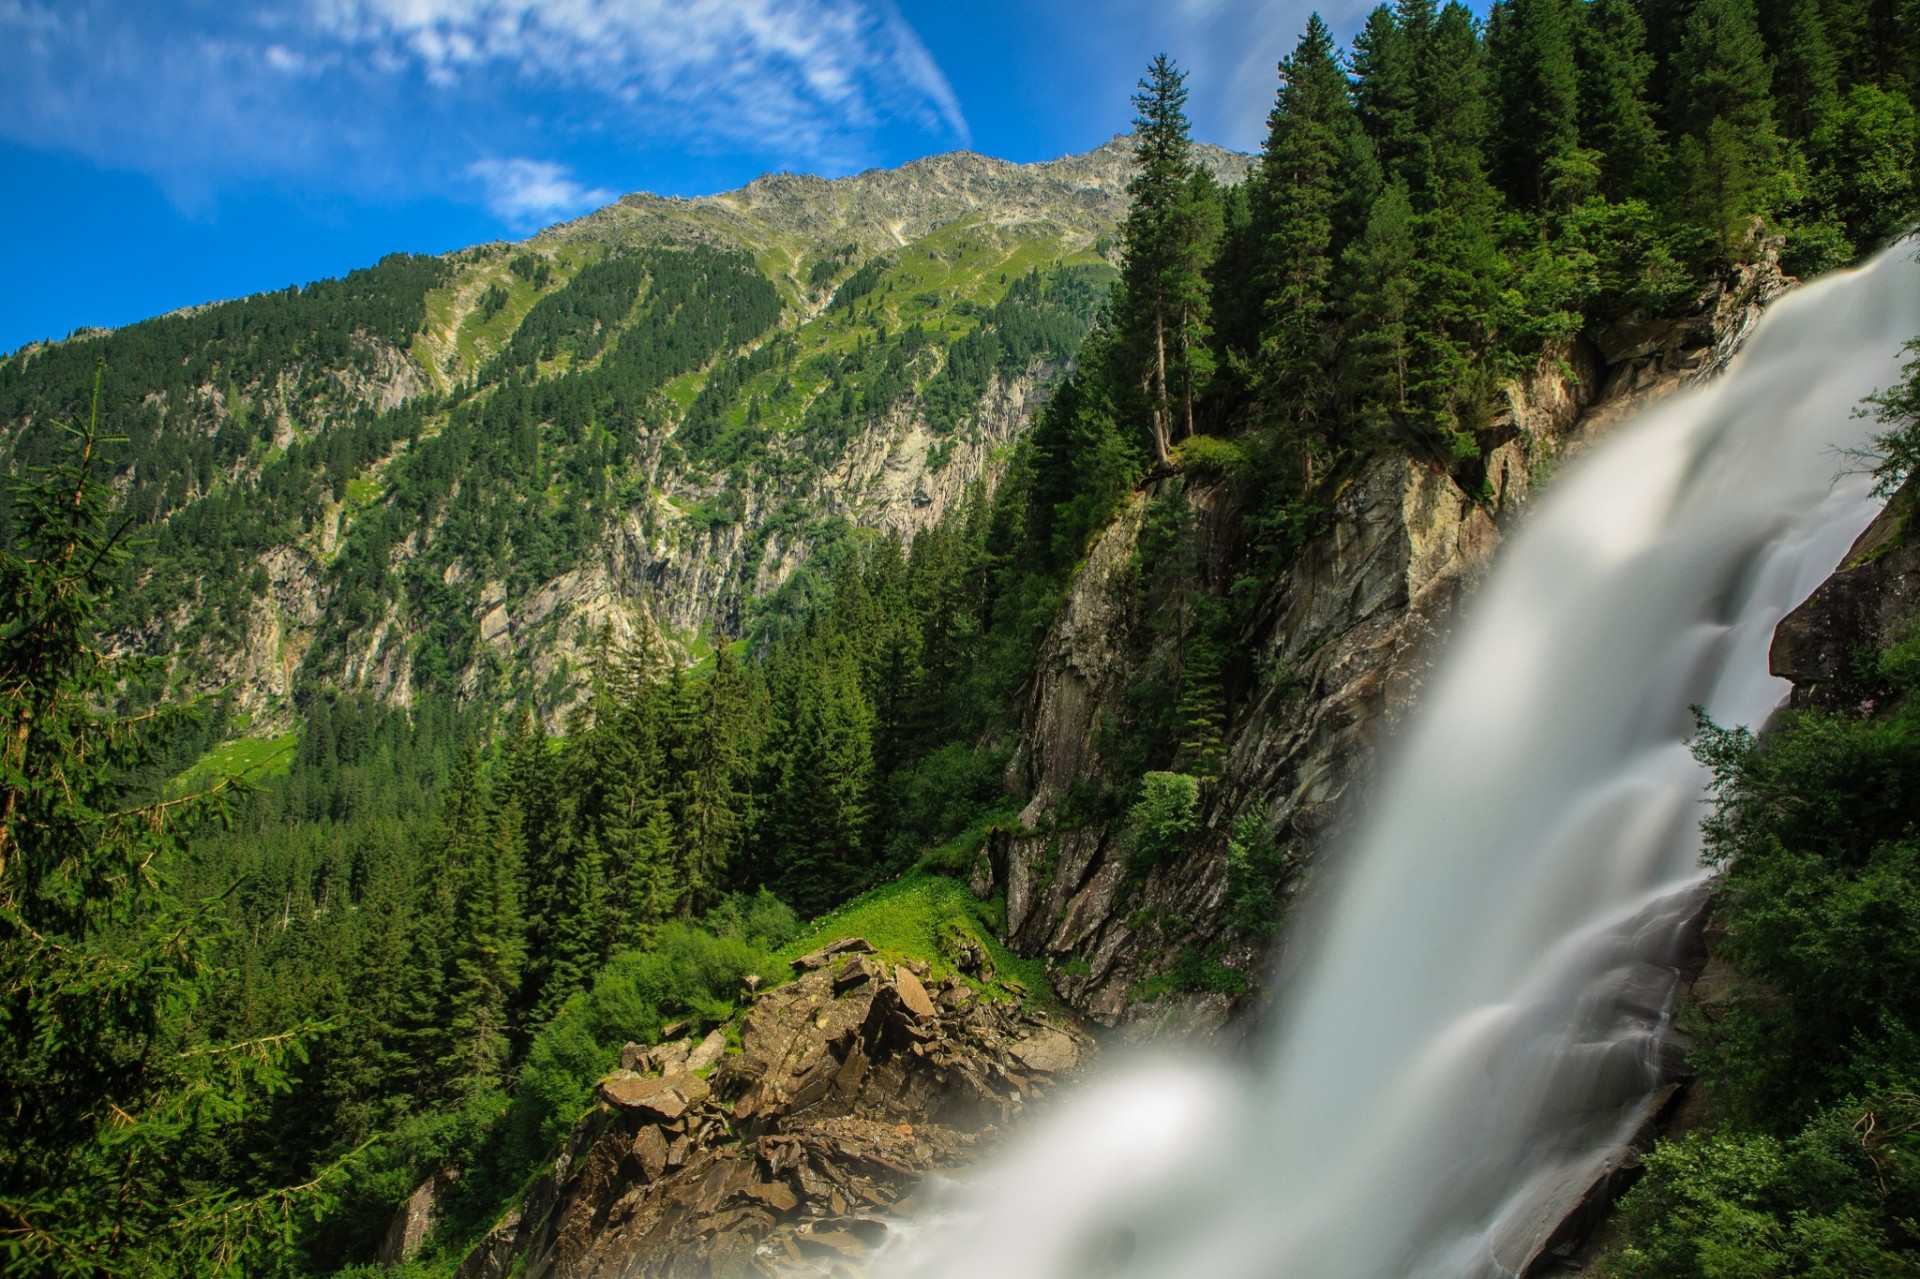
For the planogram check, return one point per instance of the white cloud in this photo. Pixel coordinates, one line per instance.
(403, 98)
(800, 71)
(531, 193)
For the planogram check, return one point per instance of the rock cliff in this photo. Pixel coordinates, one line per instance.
(1337, 646)
(851, 1083)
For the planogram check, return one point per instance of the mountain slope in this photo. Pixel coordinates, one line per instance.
(460, 474)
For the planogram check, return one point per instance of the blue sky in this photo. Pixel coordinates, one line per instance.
(158, 154)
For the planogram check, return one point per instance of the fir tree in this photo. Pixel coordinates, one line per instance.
(1806, 73)
(1377, 304)
(113, 1099)
(1386, 92)
(1171, 232)
(1723, 121)
(1533, 55)
(1299, 189)
(489, 952)
(1616, 120)
(715, 738)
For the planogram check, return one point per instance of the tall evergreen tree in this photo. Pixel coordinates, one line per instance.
(1806, 72)
(490, 949)
(1457, 264)
(1299, 189)
(1532, 47)
(1723, 119)
(1386, 93)
(1171, 233)
(820, 804)
(113, 1098)
(1377, 291)
(716, 738)
(1616, 116)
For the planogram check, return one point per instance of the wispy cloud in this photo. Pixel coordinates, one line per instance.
(531, 193)
(420, 96)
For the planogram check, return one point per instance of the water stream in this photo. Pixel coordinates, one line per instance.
(1480, 1015)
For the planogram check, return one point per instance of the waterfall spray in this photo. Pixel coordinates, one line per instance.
(1481, 1016)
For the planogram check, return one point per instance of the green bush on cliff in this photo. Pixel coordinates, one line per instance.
(1161, 819)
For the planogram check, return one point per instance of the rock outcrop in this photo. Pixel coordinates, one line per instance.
(851, 1083)
(1339, 645)
(1824, 646)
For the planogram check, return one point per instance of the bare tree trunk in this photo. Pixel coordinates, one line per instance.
(1161, 427)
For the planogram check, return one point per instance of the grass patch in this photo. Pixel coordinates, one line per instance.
(250, 759)
(919, 917)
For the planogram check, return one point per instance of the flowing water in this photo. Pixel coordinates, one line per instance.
(1480, 1016)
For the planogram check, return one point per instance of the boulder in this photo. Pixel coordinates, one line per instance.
(912, 994)
(858, 971)
(1050, 1052)
(845, 946)
(710, 1051)
(652, 1097)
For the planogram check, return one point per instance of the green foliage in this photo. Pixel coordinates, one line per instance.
(1163, 309)
(1160, 821)
(922, 919)
(1255, 866)
(1898, 409)
(119, 1103)
(1813, 1061)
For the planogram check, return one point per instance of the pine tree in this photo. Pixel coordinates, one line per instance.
(489, 952)
(1171, 232)
(1616, 120)
(1806, 72)
(1386, 92)
(1377, 301)
(1298, 192)
(1532, 47)
(1457, 265)
(1723, 121)
(821, 796)
(112, 1098)
(715, 744)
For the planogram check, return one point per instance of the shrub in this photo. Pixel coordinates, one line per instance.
(1161, 819)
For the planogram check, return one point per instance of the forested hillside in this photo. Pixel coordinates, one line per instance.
(581, 614)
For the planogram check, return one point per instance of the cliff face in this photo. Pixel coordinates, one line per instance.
(1339, 644)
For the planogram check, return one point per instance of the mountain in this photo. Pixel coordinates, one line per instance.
(460, 473)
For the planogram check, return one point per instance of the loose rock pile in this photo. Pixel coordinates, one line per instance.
(852, 1083)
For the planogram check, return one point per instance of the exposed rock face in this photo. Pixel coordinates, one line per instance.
(1340, 643)
(852, 1083)
(1864, 607)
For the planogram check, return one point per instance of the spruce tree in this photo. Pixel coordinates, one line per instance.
(1538, 79)
(715, 744)
(1806, 73)
(1725, 146)
(113, 1097)
(1171, 232)
(1377, 292)
(1457, 269)
(1299, 188)
(1616, 118)
(490, 949)
(1386, 95)
(820, 805)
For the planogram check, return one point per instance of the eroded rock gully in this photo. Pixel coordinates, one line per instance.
(1337, 648)
(852, 1083)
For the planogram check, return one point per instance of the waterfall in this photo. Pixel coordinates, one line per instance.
(1479, 1018)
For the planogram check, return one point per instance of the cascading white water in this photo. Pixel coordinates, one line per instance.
(1479, 1017)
